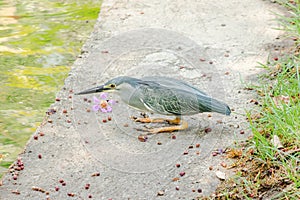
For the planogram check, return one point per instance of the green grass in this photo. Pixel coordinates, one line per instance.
(264, 168)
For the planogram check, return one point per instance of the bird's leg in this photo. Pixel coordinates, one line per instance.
(176, 121)
(149, 120)
(157, 120)
(181, 125)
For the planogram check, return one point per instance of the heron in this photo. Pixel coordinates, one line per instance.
(162, 95)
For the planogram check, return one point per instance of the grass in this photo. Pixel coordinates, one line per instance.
(267, 164)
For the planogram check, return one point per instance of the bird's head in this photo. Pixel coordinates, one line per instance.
(115, 84)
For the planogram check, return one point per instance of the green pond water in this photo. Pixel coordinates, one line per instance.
(39, 41)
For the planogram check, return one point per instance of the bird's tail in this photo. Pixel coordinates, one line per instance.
(208, 104)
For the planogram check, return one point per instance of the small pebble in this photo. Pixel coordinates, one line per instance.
(197, 145)
(223, 164)
(191, 147)
(96, 174)
(159, 143)
(142, 138)
(64, 184)
(71, 194)
(41, 134)
(177, 187)
(35, 137)
(85, 99)
(87, 186)
(57, 99)
(160, 193)
(40, 156)
(90, 196)
(177, 165)
(15, 177)
(207, 130)
(104, 120)
(182, 173)
(242, 132)
(210, 168)
(199, 190)
(214, 153)
(173, 137)
(175, 179)
(109, 118)
(16, 192)
(56, 188)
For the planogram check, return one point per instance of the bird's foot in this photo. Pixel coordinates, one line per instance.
(149, 120)
(169, 129)
(157, 120)
(175, 121)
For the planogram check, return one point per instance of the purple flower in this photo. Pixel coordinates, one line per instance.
(103, 104)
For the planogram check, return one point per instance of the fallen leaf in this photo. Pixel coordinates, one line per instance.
(278, 100)
(220, 175)
(276, 142)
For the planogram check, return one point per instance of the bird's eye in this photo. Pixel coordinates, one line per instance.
(112, 85)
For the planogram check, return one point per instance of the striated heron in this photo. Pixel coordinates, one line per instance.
(162, 95)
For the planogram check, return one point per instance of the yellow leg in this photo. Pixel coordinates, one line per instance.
(182, 126)
(177, 121)
(158, 120)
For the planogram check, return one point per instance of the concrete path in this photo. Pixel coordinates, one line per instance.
(214, 45)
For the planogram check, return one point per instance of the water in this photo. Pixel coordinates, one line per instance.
(39, 41)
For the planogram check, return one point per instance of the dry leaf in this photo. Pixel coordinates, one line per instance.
(276, 142)
(281, 99)
(220, 175)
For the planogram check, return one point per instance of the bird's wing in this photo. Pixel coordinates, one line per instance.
(178, 101)
(173, 83)
(168, 101)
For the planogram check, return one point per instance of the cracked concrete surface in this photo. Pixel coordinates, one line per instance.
(215, 45)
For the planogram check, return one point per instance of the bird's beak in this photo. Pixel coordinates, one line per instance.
(93, 90)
